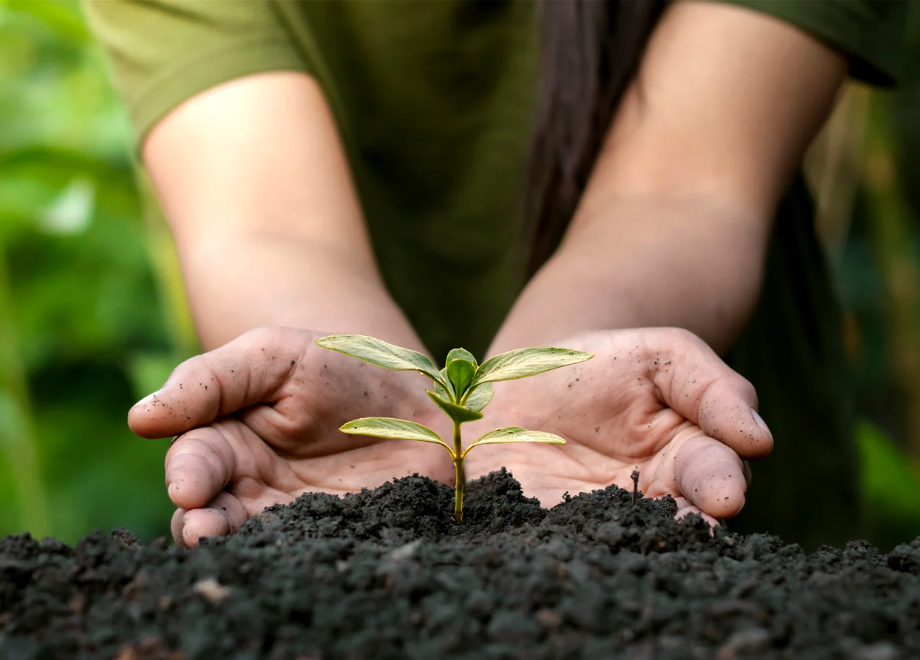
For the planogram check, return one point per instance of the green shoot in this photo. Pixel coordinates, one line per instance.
(462, 389)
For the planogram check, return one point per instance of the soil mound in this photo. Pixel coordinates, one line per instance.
(387, 574)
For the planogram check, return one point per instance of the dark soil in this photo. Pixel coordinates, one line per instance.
(386, 574)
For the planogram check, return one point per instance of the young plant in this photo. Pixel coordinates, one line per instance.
(461, 389)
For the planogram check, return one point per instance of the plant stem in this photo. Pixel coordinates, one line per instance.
(461, 479)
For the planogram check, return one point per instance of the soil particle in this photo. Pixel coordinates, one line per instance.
(386, 573)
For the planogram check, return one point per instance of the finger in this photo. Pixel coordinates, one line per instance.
(200, 523)
(695, 382)
(710, 476)
(246, 371)
(233, 508)
(175, 527)
(199, 465)
(686, 508)
(224, 515)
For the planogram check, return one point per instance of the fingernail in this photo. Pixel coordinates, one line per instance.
(757, 418)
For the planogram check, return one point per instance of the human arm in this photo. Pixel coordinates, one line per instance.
(254, 183)
(673, 227)
(248, 165)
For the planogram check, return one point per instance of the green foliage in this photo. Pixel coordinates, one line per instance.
(455, 393)
(392, 429)
(456, 412)
(524, 362)
(460, 366)
(380, 353)
(82, 325)
(512, 434)
(480, 397)
(891, 488)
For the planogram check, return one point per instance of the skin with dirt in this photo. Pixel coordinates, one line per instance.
(388, 574)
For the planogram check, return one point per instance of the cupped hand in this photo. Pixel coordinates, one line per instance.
(657, 400)
(257, 423)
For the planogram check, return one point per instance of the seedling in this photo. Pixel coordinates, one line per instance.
(461, 389)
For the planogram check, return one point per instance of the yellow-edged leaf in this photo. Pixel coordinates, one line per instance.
(393, 429)
(380, 353)
(523, 362)
(439, 387)
(512, 434)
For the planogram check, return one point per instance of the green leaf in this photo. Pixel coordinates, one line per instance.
(523, 362)
(380, 353)
(393, 429)
(461, 374)
(457, 413)
(448, 393)
(461, 354)
(479, 398)
(511, 434)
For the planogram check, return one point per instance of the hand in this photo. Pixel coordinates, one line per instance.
(259, 419)
(657, 400)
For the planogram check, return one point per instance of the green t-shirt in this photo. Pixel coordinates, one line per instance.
(434, 101)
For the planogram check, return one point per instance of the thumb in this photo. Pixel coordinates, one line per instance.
(696, 383)
(248, 370)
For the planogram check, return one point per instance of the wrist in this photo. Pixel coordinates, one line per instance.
(241, 280)
(646, 262)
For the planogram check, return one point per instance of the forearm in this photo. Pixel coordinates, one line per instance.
(243, 280)
(672, 227)
(258, 193)
(646, 262)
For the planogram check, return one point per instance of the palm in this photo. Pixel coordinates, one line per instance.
(618, 412)
(277, 401)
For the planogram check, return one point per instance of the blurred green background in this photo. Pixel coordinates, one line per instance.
(91, 318)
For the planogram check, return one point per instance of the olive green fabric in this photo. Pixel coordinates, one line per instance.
(435, 101)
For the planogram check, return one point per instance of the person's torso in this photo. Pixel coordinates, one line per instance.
(434, 101)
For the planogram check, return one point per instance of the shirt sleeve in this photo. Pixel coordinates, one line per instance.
(163, 52)
(869, 32)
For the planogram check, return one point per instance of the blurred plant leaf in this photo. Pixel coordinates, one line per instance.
(63, 18)
(72, 211)
(891, 488)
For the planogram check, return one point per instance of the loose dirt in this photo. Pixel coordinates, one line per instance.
(387, 574)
